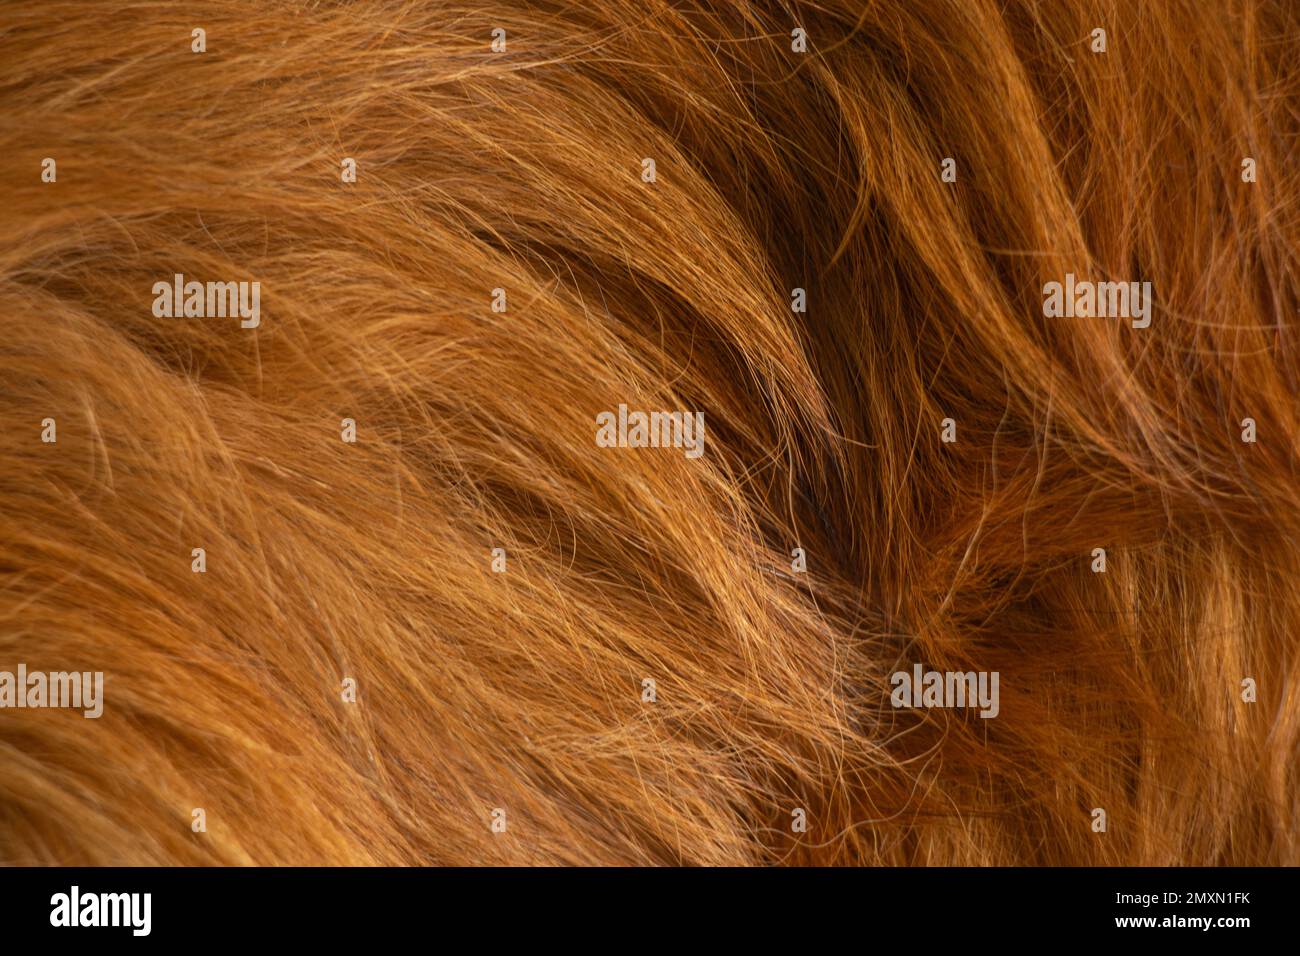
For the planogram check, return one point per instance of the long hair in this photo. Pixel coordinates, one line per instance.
(544, 432)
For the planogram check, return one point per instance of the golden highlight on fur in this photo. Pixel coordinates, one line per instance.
(642, 674)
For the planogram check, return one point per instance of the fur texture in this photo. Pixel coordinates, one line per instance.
(522, 691)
